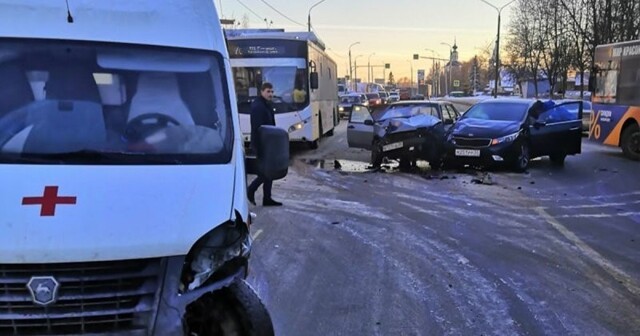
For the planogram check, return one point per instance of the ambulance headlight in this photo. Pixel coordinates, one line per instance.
(217, 255)
(340, 109)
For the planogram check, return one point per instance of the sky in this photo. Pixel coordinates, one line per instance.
(392, 29)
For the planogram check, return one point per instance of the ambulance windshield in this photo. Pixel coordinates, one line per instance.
(112, 104)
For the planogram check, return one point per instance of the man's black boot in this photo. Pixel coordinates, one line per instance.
(270, 202)
(252, 198)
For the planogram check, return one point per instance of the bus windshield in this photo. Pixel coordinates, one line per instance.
(289, 85)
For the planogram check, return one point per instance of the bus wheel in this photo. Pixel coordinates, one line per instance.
(313, 144)
(630, 142)
(330, 133)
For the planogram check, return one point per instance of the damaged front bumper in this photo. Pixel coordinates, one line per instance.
(418, 145)
(172, 304)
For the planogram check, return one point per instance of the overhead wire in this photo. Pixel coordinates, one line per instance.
(251, 10)
(282, 14)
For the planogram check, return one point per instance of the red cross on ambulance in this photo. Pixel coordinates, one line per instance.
(49, 201)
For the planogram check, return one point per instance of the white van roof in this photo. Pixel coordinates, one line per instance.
(175, 23)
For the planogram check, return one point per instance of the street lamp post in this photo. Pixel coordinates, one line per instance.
(499, 10)
(351, 67)
(433, 69)
(355, 71)
(369, 67)
(448, 81)
(309, 15)
(411, 83)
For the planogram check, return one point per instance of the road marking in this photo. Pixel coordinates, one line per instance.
(255, 235)
(603, 215)
(614, 271)
(602, 205)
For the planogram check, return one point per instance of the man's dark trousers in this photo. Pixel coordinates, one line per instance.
(261, 114)
(253, 187)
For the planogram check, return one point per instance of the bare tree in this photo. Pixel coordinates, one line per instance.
(556, 58)
(555, 35)
(525, 32)
(516, 63)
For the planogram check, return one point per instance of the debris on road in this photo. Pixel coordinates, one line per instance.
(487, 179)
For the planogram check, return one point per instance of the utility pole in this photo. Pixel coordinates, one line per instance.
(369, 75)
(497, 65)
(351, 68)
(309, 15)
(475, 73)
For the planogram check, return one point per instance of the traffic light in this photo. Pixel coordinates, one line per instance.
(387, 66)
(416, 56)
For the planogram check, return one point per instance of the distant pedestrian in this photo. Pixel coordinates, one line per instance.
(261, 114)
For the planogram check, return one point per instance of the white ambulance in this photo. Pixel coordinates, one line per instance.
(123, 206)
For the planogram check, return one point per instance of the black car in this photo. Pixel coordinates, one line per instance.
(347, 102)
(513, 131)
(407, 131)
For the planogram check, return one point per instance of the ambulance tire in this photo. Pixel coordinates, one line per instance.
(630, 142)
(256, 317)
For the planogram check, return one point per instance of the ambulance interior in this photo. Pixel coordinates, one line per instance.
(120, 103)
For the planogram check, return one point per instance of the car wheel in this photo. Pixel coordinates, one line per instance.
(630, 142)
(523, 157)
(330, 133)
(558, 159)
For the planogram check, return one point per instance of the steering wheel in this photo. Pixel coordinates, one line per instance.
(138, 128)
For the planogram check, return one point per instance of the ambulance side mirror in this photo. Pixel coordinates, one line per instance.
(272, 153)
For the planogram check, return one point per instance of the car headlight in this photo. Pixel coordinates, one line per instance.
(296, 126)
(219, 252)
(507, 138)
(340, 109)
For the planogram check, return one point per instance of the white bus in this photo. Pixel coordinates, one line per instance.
(290, 61)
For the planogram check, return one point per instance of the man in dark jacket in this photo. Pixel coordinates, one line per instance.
(261, 114)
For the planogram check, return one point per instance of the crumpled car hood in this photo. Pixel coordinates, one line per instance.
(479, 128)
(399, 125)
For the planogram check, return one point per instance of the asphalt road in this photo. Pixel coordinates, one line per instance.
(555, 251)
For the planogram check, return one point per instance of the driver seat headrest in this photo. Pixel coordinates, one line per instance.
(159, 93)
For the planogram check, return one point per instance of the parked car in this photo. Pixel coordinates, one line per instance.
(512, 132)
(347, 101)
(407, 131)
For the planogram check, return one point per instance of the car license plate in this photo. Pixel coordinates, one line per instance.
(392, 146)
(468, 152)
